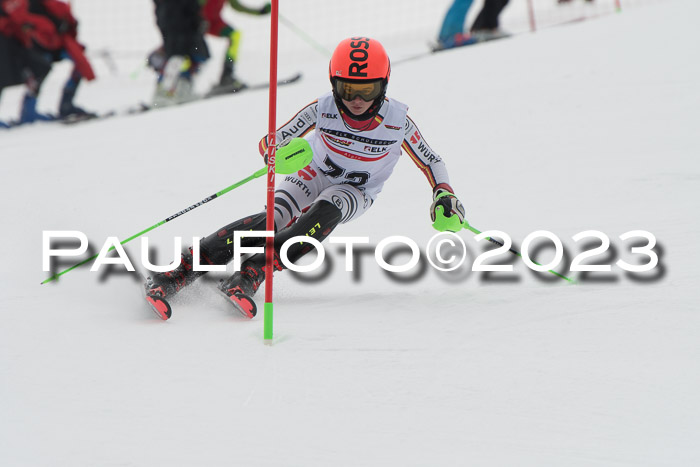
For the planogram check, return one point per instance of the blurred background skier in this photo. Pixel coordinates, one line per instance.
(183, 24)
(33, 35)
(182, 53)
(216, 26)
(20, 63)
(486, 25)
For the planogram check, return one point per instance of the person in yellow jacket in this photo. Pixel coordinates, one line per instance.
(216, 26)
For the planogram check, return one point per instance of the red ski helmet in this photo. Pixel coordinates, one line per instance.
(360, 58)
(359, 67)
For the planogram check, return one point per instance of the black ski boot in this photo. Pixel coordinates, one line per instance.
(69, 112)
(321, 218)
(166, 284)
(228, 83)
(242, 285)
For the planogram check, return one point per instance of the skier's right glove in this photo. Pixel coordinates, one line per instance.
(447, 212)
(266, 9)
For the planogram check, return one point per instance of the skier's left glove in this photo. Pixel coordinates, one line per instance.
(447, 212)
(266, 9)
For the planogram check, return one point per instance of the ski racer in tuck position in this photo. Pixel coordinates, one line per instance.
(356, 134)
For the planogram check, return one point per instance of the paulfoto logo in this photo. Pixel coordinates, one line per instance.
(444, 252)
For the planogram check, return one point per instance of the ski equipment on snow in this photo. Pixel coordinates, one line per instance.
(240, 287)
(156, 301)
(159, 306)
(235, 89)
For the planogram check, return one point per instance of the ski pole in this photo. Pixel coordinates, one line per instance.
(308, 39)
(515, 252)
(292, 157)
(258, 173)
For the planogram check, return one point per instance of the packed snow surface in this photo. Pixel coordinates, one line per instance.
(589, 126)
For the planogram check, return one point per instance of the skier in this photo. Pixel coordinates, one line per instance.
(183, 51)
(19, 62)
(356, 134)
(65, 46)
(486, 25)
(452, 30)
(32, 36)
(216, 26)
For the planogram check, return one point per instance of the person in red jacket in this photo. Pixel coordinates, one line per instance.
(20, 63)
(65, 45)
(34, 34)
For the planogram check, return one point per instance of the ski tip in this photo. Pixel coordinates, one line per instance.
(241, 302)
(245, 305)
(292, 79)
(75, 119)
(217, 91)
(159, 306)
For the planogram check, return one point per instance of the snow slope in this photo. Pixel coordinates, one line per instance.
(589, 126)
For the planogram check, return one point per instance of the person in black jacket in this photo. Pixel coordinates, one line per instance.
(184, 50)
(486, 25)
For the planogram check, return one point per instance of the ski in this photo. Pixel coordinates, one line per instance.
(223, 91)
(244, 304)
(436, 48)
(470, 40)
(156, 302)
(143, 107)
(75, 119)
(69, 120)
(16, 123)
(159, 306)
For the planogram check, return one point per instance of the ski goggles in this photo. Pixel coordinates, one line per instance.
(365, 90)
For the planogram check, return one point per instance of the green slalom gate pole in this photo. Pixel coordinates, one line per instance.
(516, 252)
(218, 194)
